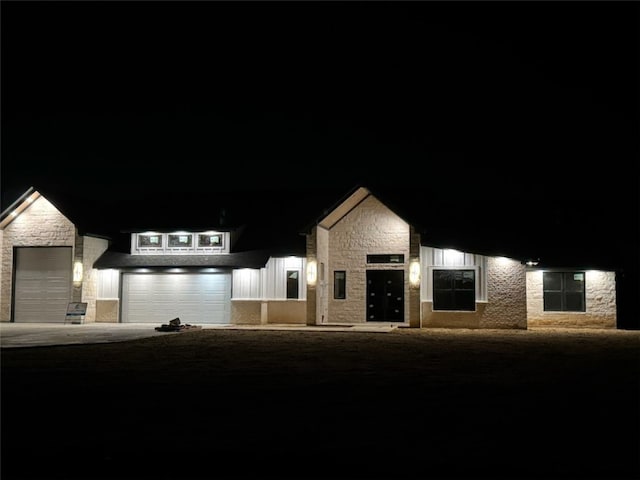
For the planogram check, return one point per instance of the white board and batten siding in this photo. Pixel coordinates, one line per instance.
(160, 297)
(269, 283)
(42, 284)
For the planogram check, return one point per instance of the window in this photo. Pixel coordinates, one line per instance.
(146, 240)
(383, 258)
(209, 240)
(292, 283)
(563, 291)
(454, 290)
(340, 284)
(180, 240)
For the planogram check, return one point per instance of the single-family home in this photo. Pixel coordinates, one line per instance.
(361, 259)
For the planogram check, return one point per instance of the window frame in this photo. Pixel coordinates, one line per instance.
(141, 236)
(464, 305)
(210, 235)
(340, 285)
(188, 246)
(288, 286)
(563, 292)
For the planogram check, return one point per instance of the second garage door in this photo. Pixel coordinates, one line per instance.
(194, 298)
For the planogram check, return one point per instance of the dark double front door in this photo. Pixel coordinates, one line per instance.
(385, 295)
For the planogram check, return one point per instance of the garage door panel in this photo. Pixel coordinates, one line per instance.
(194, 298)
(42, 284)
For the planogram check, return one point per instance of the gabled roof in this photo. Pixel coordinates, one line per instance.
(18, 206)
(276, 221)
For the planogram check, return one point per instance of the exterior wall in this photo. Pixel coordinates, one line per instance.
(600, 299)
(1, 268)
(312, 255)
(246, 312)
(107, 311)
(92, 249)
(275, 277)
(257, 312)
(287, 312)
(505, 306)
(322, 292)
(370, 228)
(41, 224)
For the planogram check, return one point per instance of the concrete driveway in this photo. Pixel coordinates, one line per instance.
(46, 334)
(14, 335)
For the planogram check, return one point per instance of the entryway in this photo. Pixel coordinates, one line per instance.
(385, 295)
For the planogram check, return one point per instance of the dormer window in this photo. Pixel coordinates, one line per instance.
(210, 240)
(179, 243)
(180, 240)
(149, 240)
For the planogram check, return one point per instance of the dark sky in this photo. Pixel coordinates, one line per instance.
(191, 95)
(532, 102)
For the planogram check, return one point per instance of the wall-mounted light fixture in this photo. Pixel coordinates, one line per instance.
(312, 272)
(532, 262)
(77, 272)
(414, 272)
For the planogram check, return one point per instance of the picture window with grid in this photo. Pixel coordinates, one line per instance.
(563, 291)
(454, 290)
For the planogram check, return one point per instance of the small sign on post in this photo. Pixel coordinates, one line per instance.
(76, 312)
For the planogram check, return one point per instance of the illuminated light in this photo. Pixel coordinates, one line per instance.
(312, 272)
(14, 213)
(503, 260)
(414, 272)
(531, 263)
(77, 272)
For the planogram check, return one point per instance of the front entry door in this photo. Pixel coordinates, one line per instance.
(385, 295)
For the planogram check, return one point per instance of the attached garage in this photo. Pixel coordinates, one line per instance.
(42, 284)
(202, 298)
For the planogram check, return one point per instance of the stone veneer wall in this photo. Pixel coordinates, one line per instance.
(93, 248)
(506, 305)
(312, 256)
(107, 311)
(246, 312)
(42, 225)
(262, 312)
(1, 265)
(370, 228)
(600, 298)
(287, 312)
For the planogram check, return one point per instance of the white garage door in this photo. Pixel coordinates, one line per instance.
(43, 284)
(194, 298)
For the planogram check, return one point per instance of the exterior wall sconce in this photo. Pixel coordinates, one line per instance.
(414, 272)
(77, 272)
(312, 272)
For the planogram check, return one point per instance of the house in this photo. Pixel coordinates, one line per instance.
(364, 259)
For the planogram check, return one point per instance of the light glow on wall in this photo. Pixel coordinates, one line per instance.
(503, 261)
(77, 272)
(414, 272)
(312, 272)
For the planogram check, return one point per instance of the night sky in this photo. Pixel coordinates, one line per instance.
(532, 102)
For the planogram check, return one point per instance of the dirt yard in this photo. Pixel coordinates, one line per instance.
(231, 404)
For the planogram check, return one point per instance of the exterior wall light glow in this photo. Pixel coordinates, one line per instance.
(312, 272)
(414, 272)
(77, 272)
